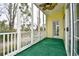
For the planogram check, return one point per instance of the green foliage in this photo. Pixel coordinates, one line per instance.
(5, 27)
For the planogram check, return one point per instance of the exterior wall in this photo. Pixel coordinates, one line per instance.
(54, 16)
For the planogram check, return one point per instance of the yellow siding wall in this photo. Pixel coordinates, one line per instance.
(49, 26)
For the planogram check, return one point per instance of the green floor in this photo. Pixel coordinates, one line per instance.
(46, 47)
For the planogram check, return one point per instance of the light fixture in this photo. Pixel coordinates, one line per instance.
(47, 6)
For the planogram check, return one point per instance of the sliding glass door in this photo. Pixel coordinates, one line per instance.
(76, 30)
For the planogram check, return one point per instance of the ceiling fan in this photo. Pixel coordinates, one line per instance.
(47, 6)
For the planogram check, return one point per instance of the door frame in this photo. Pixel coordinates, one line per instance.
(54, 36)
(72, 18)
(66, 26)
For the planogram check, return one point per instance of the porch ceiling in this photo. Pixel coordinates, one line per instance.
(49, 8)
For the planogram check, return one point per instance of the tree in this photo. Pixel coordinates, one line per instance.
(3, 26)
(12, 13)
(11, 10)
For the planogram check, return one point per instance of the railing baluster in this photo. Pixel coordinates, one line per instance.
(14, 41)
(8, 43)
(11, 42)
(3, 44)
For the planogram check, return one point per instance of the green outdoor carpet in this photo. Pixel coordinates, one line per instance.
(46, 47)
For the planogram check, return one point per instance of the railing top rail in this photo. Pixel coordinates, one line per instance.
(8, 33)
(25, 31)
(12, 32)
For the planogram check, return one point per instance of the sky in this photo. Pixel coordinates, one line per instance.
(2, 9)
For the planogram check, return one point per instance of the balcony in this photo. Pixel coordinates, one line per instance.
(39, 29)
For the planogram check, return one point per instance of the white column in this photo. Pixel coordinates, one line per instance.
(32, 36)
(43, 22)
(18, 28)
(39, 24)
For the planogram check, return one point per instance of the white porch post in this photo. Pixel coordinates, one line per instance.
(18, 28)
(39, 24)
(45, 25)
(43, 21)
(32, 25)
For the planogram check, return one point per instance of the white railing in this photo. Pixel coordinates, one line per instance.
(9, 42)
